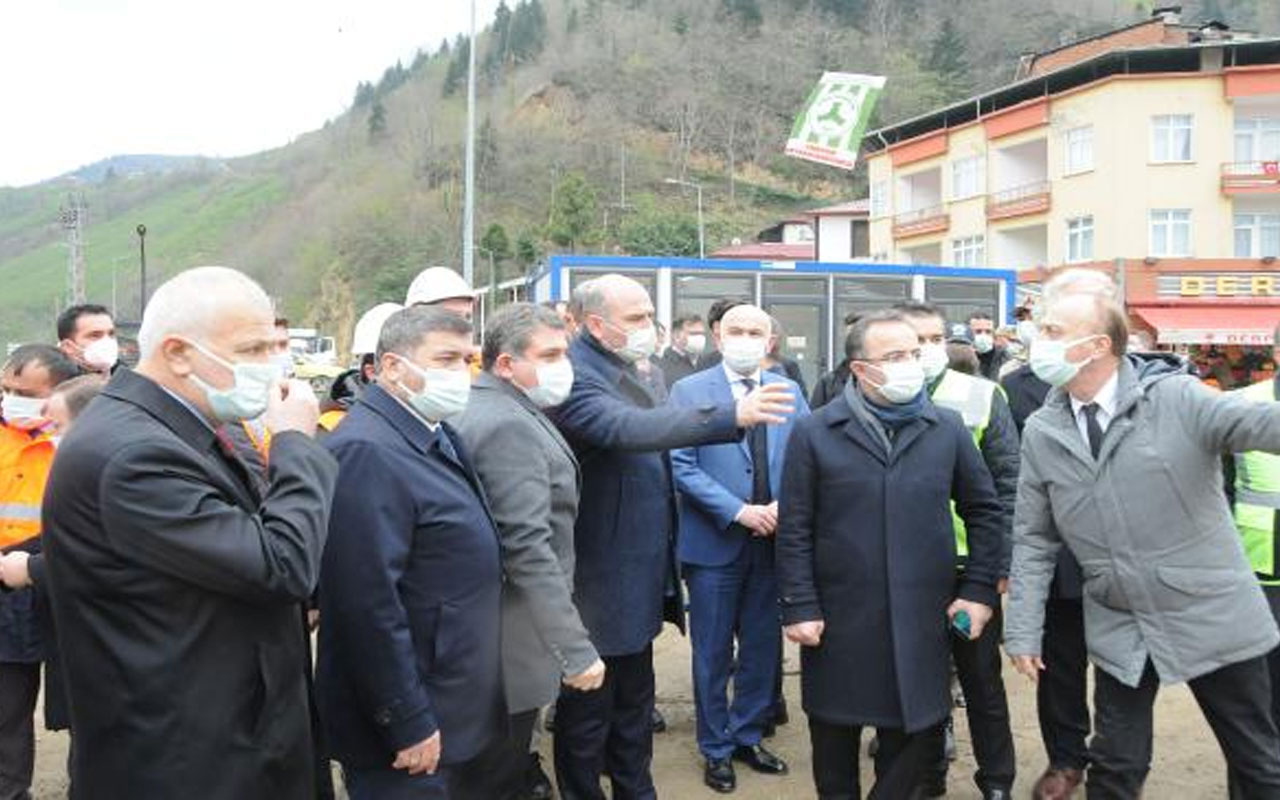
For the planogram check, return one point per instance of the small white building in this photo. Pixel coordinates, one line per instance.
(842, 232)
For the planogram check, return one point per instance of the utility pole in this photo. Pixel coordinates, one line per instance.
(72, 219)
(142, 260)
(702, 232)
(469, 210)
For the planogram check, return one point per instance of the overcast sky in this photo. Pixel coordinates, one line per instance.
(81, 80)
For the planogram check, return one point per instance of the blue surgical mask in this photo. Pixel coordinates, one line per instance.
(1049, 360)
(249, 394)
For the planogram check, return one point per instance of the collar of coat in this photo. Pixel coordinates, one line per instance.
(859, 427)
(406, 423)
(587, 351)
(140, 391)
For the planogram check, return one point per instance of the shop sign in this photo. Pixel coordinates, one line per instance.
(1221, 284)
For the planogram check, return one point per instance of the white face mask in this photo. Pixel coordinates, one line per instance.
(743, 354)
(20, 410)
(696, 344)
(445, 392)
(933, 360)
(102, 354)
(641, 343)
(249, 394)
(1049, 360)
(903, 381)
(984, 343)
(555, 382)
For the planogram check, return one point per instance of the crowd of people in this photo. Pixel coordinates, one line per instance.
(231, 584)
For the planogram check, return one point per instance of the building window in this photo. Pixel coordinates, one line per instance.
(1171, 232)
(1079, 150)
(967, 252)
(859, 238)
(1171, 138)
(879, 198)
(1257, 139)
(966, 177)
(1080, 239)
(1257, 235)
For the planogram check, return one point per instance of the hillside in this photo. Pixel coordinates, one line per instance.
(700, 89)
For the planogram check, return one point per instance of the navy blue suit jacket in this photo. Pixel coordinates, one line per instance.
(625, 533)
(409, 593)
(715, 480)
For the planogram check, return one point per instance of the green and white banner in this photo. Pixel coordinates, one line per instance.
(829, 129)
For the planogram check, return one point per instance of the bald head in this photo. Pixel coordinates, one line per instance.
(198, 326)
(746, 316)
(1081, 281)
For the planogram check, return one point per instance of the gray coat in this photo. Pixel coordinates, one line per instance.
(532, 481)
(1165, 575)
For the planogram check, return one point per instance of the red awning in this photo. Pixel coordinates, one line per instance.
(1221, 325)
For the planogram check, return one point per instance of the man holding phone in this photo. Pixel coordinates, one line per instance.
(873, 603)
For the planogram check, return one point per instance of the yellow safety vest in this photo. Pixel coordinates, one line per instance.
(970, 397)
(1258, 497)
(329, 420)
(25, 459)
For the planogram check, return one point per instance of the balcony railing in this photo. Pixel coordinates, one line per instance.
(1250, 177)
(921, 221)
(1030, 198)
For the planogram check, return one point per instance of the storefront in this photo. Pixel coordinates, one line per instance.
(809, 299)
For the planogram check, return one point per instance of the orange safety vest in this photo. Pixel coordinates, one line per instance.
(25, 459)
(261, 440)
(329, 420)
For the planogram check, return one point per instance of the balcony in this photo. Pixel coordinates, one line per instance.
(1020, 201)
(921, 221)
(1251, 177)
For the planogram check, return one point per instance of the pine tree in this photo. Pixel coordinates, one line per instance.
(946, 60)
(573, 212)
(456, 74)
(377, 121)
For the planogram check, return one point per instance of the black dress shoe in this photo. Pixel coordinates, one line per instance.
(659, 721)
(760, 760)
(719, 775)
(537, 786)
(997, 794)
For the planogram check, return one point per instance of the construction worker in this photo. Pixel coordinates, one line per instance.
(986, 413)
(1253, 484)
(441, 286)
(348, 386)
(26, 455)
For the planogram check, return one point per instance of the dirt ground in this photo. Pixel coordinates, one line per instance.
(1188, 765)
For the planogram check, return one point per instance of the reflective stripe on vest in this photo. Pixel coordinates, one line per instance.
(19, 512)
(1258, 497)
(971, 397)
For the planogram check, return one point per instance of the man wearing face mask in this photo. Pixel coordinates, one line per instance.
(87, 334)
(1169, 595)
(688, 343)
(531, 477)
(176, 586)
(408, 675)
(991, 356)
(875, 604)
(729, 516)
(626, 578)
(28, 378)
(982, 406)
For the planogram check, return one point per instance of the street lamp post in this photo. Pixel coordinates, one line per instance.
(702, 232)
(142, 259)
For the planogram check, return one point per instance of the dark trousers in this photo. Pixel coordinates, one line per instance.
(503, 766)
(1062, 695)
(978, 664)
(1236, 702)
(466, 781)
(1234, 789)
(609, 731)
(901, 761)
(19, 687)
(738, 601)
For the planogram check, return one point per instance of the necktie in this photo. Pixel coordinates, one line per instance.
(227, 447)
(758, 443)
(1093, 428)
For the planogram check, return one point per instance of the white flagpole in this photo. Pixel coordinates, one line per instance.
(469, 210)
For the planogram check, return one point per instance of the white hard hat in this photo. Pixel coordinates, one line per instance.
(369, 328)
(434, 284)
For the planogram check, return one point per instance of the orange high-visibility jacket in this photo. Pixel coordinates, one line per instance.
(25, 459)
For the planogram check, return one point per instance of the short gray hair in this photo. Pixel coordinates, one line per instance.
(191, 301)
(856, 341)
(404, 331)
(511, 329)
(588, 298)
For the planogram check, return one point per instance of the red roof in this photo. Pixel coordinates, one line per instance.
(1220, 325)
(856, 208)
(768, 251)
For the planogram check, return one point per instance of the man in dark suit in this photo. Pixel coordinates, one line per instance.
(408, 676)
(873, 602)
(688, 342)
(176, 588)
(626, 577)
(729, 515)
(532, 480)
